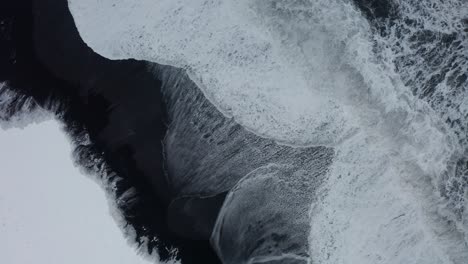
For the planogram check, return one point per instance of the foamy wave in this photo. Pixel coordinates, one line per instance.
(18, 110)
(315, 73)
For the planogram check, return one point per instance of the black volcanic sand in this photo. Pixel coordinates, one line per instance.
(116, 103)
(119, 105)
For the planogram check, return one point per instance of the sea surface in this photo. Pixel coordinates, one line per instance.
(327, 131)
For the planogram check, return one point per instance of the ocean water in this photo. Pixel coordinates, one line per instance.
(386, 93)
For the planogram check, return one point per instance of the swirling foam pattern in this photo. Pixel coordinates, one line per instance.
(317, 73)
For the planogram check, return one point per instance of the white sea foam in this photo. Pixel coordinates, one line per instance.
(306, 73)
(15, 115)
(51, 211)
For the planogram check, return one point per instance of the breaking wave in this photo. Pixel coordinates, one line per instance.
(388, 94)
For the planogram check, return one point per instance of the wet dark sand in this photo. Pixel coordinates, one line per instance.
(117, 103)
